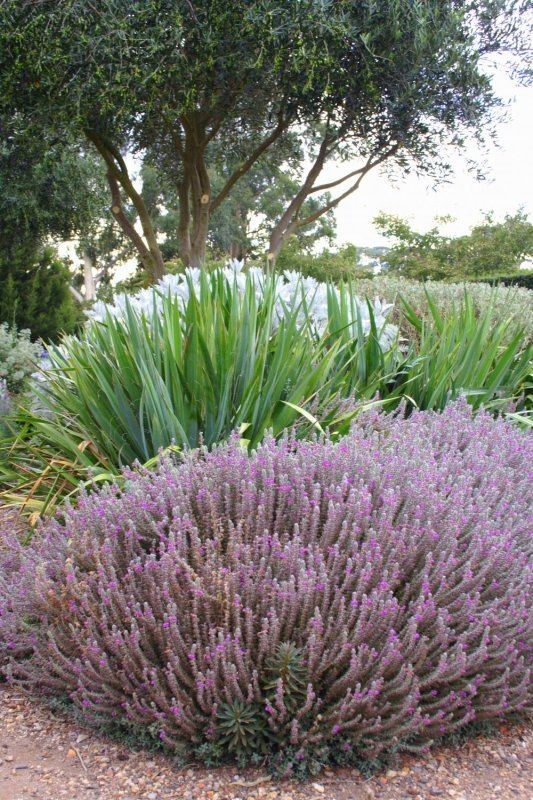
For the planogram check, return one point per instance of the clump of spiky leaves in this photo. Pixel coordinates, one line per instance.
(194, 372)
(307, 602)
(503, 303)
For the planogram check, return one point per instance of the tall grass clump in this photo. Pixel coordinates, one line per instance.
(230, 350)
(308, 600)
(184, 373)
(464, 353)
(193, 372)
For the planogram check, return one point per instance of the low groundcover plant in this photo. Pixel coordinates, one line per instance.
(350, 598)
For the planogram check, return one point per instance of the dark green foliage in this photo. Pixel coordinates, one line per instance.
(304, 762)
(285, 671)
(37, 296)
(49, 190)
(524, 280)
(204, 89)
(121, 729)
(242, 728)
(244, 732)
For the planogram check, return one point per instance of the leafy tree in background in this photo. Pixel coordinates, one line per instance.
(102, 248)
(240, 226)
(51, 190)
(45, 193)
(377, 82)
(326, 265)
(491, 248)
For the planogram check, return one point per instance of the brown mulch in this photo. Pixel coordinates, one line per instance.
(46, 755)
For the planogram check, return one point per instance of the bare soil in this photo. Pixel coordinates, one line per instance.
(46, 755)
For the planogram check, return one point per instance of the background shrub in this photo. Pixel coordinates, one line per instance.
(5, 409)
(514, 304)
(19, 357)
(36, 294)
(523, 279)
(356, 597)
(490, 247)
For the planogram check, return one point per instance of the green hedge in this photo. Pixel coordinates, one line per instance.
(524, 280)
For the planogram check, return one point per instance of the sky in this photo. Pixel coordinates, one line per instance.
(508, 185)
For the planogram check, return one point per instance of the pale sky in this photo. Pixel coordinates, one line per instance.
(509, 183)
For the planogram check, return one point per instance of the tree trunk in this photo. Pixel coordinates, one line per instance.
(277, 238)
(157, 266)
(194, 192)
(88, 277)
(200, 235)
(235, 251)
(288, 222)
(236, 248)
(129, 230)
(118, 178)
(184, 222)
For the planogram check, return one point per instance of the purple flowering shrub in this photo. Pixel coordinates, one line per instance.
(362, 596)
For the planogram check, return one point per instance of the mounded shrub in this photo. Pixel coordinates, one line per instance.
(311, 597)
(524, 280)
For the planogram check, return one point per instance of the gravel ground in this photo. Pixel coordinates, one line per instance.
(48, 756)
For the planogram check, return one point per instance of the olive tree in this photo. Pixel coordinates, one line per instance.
(177, 82)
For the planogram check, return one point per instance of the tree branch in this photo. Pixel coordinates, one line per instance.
(117, 172)
(118, 213)
(325, 186)
(335, 202)
(76, 295)
(299, 199)
(248, 164)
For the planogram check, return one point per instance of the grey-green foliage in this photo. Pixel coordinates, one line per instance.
(18, 357)
(514, 305)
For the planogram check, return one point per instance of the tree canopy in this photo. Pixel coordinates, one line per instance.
(49, 190)
(192, 86)
(491, 248)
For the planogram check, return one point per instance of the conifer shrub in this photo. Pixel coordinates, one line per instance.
(342, 599)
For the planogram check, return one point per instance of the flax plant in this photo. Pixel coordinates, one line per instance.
(191, 373)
